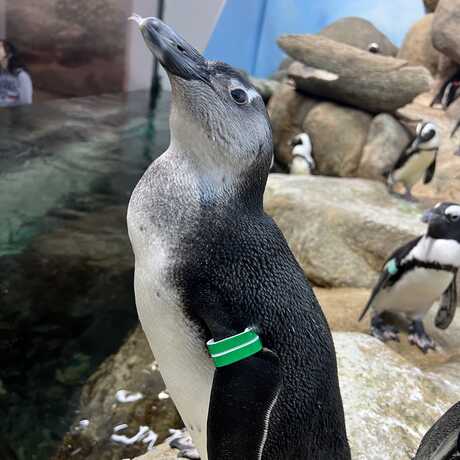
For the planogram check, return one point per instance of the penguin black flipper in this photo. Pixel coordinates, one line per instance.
(386, 277)
(242, 397)
(448, 306)
(442, 441)
(429, 173)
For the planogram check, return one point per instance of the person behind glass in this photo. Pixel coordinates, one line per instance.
(15, 82)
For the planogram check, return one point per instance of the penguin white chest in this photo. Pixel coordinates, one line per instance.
(414, 293)
(415, 167)
(174, 339)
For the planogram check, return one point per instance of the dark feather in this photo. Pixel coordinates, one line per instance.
(429, 173)
(447, 306)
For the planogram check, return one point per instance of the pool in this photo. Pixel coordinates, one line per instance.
(67, 169)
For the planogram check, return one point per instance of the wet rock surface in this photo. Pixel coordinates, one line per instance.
(352, 76)
(340, 230)
(338, 135)
(360, 33)
(385, 142)
(133, 369)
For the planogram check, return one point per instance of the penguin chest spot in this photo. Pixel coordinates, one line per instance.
(415, 292)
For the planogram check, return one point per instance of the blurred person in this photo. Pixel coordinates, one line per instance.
(15, 82)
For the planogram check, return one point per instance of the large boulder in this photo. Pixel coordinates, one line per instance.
(445, 36)
(417, 48)
(388, 402)
(338, 136)
(340, 230)
(359, 32)
(352, 76)
(386, 140)
(132, 369)
(287, 110)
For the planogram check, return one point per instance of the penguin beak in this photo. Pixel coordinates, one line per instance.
(175, 54)
(431, 215)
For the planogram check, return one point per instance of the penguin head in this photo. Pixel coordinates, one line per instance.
(426, 137)
(443, 221)
(373, 48)
(215, 109)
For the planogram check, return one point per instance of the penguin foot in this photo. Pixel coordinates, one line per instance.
(409, 197)
(418, 336)
(180, 439)
(383, 331)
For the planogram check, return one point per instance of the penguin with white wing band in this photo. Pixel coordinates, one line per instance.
(416, 275)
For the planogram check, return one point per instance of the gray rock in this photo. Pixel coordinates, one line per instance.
(359, 32)
(386, 139)
(340, 230)
(445, 36)
(388, 402)
(417, 48)
(352, 76)
(338, 136)
(129, 369)
(287, 110)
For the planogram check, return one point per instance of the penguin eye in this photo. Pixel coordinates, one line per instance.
(239, 96)
(453, 217)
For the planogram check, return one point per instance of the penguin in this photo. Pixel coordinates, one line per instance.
(302, 161)
(448, 92)
(417, 161)
(373, 48)
(241, 341)
(416, 275)
(442, 441)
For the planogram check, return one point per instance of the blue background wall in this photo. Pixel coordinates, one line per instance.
(246, 32)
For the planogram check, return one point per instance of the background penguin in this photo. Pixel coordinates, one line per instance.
(416, 275)
(302, 160)
(418, 160)
(448, 92)
(442, 441)
(373, 48)
(209, 263)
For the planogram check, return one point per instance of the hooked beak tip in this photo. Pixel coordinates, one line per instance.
(137, 19)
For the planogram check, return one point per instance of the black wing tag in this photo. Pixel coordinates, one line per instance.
(242, 397)
(447, 306)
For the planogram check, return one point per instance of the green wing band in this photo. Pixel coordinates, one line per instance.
(235, 348)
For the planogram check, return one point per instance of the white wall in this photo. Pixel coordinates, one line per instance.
(193, 19)
(2, 19)
(139, 60)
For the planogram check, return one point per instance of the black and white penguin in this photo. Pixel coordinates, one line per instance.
(442, 441)
(448, 92)
(302, 162)
(241, 341)
(416, 275)
(418, 160)
(373, 48)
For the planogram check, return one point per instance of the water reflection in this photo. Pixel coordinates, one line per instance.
(67, 169)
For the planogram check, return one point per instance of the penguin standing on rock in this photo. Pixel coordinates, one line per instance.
(241, 341)
(418, 160)
(416, 275)
(302, 161)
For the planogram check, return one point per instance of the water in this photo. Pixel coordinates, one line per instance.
(67, 169)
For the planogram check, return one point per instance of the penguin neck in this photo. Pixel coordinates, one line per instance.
(441, 251)
(224, 178)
